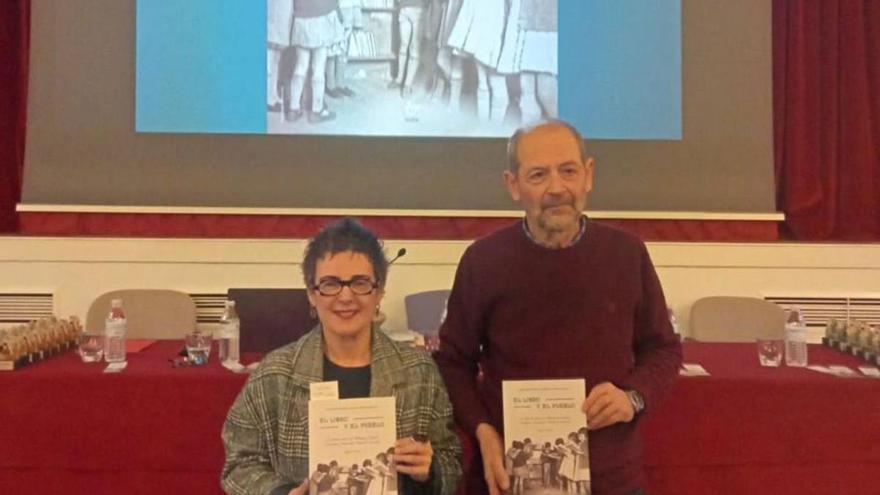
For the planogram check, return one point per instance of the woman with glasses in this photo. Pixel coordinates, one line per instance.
(266, 431)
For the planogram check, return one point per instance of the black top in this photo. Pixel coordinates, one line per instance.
(353, 382)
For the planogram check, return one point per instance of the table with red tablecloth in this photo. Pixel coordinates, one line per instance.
(66, 427)
(750, 429)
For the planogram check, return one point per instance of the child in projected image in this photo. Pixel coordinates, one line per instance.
(411, 29)
(477, 34)
(530, 50)
(316, 26)
(449, 76)
(351, 12)
(279, 15)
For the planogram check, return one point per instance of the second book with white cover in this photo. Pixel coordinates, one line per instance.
(545, 437)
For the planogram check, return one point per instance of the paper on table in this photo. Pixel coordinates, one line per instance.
(115, 367)
(234, 366)
(842, 371)
(692, 369)
(839, 371)
(870, 371)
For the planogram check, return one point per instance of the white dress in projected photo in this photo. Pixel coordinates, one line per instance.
(481, 68)
(279, 16)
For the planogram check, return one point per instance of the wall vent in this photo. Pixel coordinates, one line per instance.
(19, 307)
(209, 307)
(819, 309)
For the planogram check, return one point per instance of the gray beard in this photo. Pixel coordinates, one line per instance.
(553, 229)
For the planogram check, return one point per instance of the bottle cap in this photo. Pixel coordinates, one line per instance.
(116, 303)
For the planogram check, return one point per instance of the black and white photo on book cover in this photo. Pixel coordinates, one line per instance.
(545, 437)
(351, 445)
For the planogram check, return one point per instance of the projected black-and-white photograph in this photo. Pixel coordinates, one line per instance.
(474, 68)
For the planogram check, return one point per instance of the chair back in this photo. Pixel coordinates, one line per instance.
(149, 313)
(271, 318)
(425, 311)
(736, 319)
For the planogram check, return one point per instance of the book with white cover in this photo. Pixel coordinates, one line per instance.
(349, 443)
(545, 436)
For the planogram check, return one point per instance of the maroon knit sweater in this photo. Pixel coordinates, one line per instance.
(593, 310)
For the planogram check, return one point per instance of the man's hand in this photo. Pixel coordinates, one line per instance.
(302, 489)
(607, 405)
(413, 458)
(492, 450)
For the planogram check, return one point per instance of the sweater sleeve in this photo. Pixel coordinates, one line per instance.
(460, 337)
(446, 462)
(656, 347)
(248, 468)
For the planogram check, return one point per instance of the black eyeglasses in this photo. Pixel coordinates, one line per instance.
(331, 286)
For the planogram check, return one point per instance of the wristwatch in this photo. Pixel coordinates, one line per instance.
(636, 399)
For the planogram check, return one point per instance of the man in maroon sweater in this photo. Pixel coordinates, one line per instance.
(558, 296)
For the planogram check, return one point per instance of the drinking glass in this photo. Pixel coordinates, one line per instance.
(198, 347)
(91, 347)
(770, 352)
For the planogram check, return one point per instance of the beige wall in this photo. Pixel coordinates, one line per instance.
(77, 270)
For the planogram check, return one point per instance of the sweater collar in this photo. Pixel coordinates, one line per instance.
(577, 238)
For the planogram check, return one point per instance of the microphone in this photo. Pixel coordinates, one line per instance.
(400, 254)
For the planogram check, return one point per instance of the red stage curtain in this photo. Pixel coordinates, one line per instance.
(14, 36)
(826, 85)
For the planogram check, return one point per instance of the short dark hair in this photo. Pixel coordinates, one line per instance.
(513, 142)
(346, 234)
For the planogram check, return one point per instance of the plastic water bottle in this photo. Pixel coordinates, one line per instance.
(795, 339)
(114, 333)
(229, 334)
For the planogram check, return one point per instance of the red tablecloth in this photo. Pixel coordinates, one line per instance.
(750, 429)
(66, 427)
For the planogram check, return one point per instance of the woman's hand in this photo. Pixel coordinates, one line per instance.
(413, 458)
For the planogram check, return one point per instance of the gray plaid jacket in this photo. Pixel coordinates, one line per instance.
(266, 433)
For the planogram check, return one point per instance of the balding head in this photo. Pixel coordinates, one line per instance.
(514, 141)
